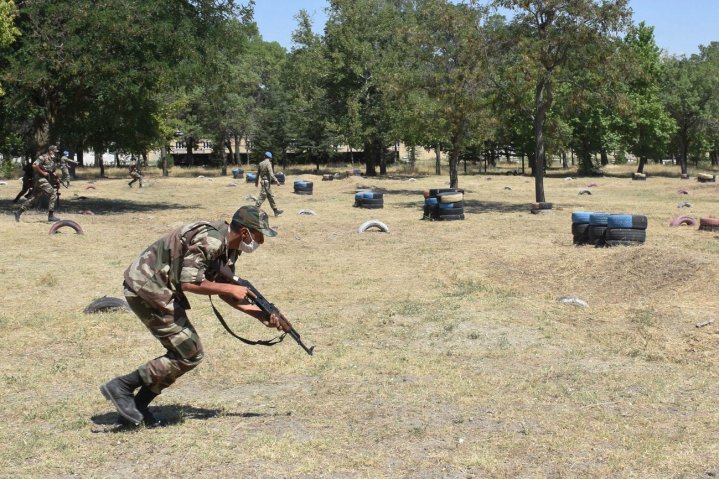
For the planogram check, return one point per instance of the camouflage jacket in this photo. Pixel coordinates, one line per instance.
(46, 163)
(265, 172)
(187, 254)
(64, 160)
(133, 167)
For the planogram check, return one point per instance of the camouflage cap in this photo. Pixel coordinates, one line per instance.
(255, 218)
(52, 148)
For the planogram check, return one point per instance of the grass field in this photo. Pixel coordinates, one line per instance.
(441, 348)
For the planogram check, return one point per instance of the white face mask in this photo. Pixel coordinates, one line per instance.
(249, 248)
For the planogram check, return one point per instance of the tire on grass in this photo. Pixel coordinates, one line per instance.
(683, 220)
(625, 235)
(373, 224)
(106, 303)
(69, 223)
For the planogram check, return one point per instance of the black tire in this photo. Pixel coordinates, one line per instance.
(436, 191)
(580, 229)
(450, 217)
(595, 233)
(303, 192)
(106, 303)
(372, 207)
(455, 197)
(367, 201)
(69, 223)
(450, 211)
(625, 234)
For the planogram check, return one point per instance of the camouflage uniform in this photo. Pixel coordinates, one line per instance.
(42, 186)
(134, 173)
(153, 289)
(64, 160)
(265, 176)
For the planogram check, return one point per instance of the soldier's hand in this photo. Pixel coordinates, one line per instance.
(242, 294)
(273, 322)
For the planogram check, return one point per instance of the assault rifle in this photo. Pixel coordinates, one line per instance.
(267, 308)
(55, 183)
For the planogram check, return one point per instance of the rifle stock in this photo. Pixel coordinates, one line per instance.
(268, 308)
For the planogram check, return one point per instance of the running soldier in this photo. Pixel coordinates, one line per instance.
(266, 176)
(64, 160)
(134, 172)
(182, 261)
(44, 168)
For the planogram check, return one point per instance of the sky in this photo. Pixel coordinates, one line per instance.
(680, 26)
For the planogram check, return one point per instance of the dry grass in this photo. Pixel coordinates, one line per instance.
(441, 349)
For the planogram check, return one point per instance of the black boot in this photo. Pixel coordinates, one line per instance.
(51, 217)
(120, 391)
(143, 398)
(18, 214)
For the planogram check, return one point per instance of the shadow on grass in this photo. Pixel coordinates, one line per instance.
(99, 206)
(172, 415)
(477, 207)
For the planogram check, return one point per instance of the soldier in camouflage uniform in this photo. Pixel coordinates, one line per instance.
(266, 176)
(44, 168)
(64, 160)
(182, 261)
(134, 173)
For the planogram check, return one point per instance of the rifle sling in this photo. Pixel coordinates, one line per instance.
(269, 342)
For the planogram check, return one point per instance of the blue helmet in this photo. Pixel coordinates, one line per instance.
(268, 155)
(66, 153)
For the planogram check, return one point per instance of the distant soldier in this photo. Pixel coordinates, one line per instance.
(45, 185)
(134, 171)
(64, 160)
(266, 177)
(28, 175)
(185, 260)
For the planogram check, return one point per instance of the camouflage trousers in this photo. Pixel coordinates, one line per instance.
(177, 336)
(135, 177)
(65, 175)
(266, 193)
(43, 187)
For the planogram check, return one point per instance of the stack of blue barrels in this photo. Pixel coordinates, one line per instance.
(444, 204)
(303, 187)
(237, 173)
(250, 177)
(280, 178)
(369, 199)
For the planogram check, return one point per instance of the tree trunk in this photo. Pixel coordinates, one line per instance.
(221, 151)
(642, 162)
(372, 149)
(352, 159)
(604, 156)
(382, 160)
(685, 151)
(236, 139)
(99, 150)
(163, 158)
(564, 160)
(453, 162)
(190, 145)
(80, 155)
(522, 163)
(714, 155)
(117, 159)
(543, 100)
(438, 159)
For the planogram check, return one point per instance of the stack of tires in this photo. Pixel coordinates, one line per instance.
(237, 173)
(369, 199)
(280, 178)
(625, 230)
(303, 187)
(706, 178)
(600, 229)
(444, 204)
(580, 227)
(639, 176)
(250, 177)
(328, 177)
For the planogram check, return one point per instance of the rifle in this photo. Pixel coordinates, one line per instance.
(266, 307)
(55, 183)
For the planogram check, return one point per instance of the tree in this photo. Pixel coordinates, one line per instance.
(646, 127)
(553, 37)
(363, 55)
(690, 86)
(452, 70)
(8, 31)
